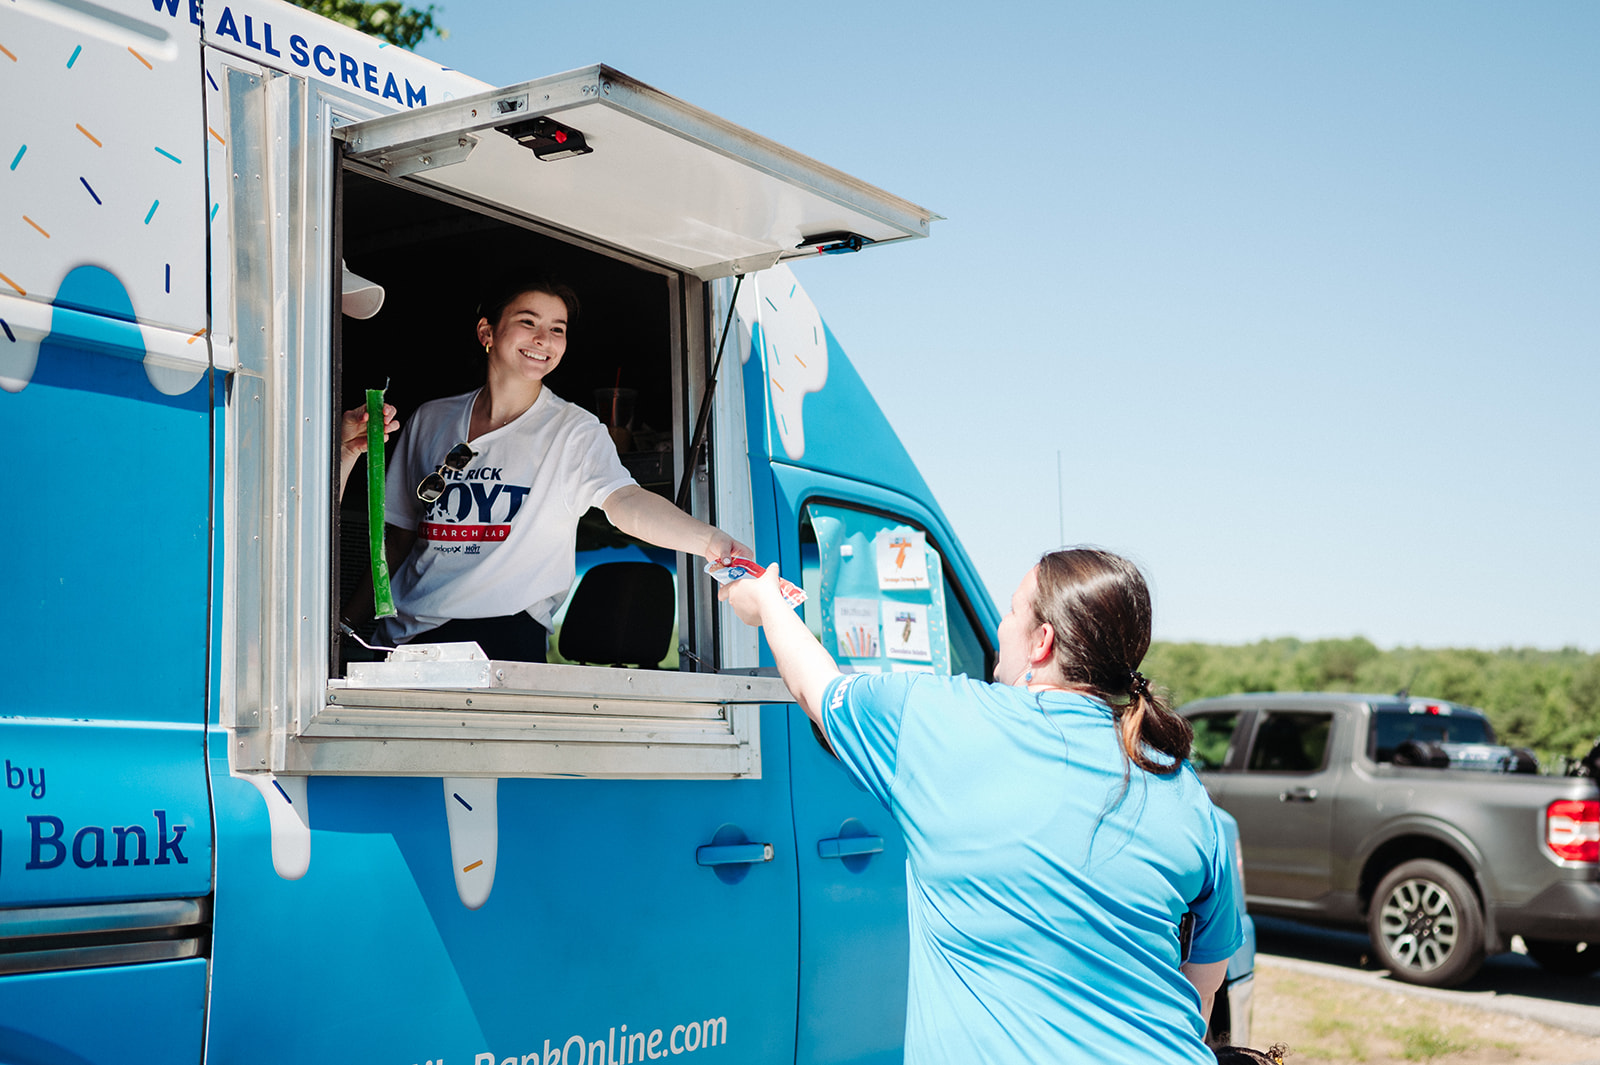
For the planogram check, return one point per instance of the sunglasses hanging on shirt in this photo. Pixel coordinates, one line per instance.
(433, 485)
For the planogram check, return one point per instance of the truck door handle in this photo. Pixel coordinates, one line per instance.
(1298, 795)
(733, 854)
(849, 846)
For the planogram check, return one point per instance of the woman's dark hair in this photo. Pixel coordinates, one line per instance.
(1099, 609)
(502, 294)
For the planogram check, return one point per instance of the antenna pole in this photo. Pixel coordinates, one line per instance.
(1061, 506)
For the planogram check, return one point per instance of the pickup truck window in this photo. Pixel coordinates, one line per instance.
(879, 598)
(1291, 742)
(1391, 728)
(1213, 739)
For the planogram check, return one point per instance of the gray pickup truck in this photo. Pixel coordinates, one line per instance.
(1402, 815)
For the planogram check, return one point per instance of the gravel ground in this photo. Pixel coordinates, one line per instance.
(1334, 1022)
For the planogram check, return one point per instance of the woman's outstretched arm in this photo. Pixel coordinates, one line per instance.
(651, 518)
(802, 662)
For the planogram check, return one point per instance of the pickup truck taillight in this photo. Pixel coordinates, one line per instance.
(1572, 829)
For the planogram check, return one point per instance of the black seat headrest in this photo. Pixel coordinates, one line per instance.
(621, 614)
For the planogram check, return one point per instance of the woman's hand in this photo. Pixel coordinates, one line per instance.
(353, 438)
(720, 547)
(353, 430)
(749, 596)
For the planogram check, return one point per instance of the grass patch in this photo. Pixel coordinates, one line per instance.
(1329, 1022)
(1422, 1042)
(1333, 1037)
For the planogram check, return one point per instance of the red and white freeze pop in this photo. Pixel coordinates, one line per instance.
(736, 569)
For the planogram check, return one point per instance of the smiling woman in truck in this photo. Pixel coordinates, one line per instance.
(486, 488)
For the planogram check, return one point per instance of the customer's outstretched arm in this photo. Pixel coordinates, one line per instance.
(805, 667)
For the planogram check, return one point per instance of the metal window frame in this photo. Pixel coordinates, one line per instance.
(283, 713)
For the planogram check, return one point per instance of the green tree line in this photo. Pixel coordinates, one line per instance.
(1546, 700)
(388, 20)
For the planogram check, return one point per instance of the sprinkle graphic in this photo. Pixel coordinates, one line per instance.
(13, 284)
(285, 794)
(213, 81)
(768, 299)
(152, 213)
(217, 135)
(169, 155)
(35, 225)
(778, 386)
(462, 801)
(214, 209)
(91, 191)
(141, 59)
(7, 51)
(470, 868)
(802, 362)
(169, 277)
(75, 53)
(18, 157)
(91, 136)
(197, 336)
(9, 334)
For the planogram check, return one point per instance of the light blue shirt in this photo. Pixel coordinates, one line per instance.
(1047, 875)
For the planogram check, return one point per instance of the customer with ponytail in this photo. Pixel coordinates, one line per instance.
(1071, 893)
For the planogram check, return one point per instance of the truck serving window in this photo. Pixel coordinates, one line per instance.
(437, 260)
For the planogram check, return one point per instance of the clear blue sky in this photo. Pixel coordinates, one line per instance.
(1307, 297)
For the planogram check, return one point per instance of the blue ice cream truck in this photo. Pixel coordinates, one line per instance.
(231, 833)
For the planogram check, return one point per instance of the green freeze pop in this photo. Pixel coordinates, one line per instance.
(382, 598)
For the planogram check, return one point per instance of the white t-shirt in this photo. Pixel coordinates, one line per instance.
(501, 538)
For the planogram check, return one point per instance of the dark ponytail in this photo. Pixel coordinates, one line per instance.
(1098, 606)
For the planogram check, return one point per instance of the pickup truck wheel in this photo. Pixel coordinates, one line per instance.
(1564, 959)
(1426, 925)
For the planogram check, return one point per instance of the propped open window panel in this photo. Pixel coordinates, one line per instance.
(598, 154)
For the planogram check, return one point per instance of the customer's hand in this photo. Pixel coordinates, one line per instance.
(750, 596)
